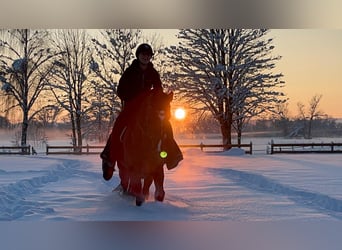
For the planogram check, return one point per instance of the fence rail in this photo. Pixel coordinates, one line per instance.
(202, 146)
(73, 150)
(92, 149)
(332, 147)
(10, 150)
(273, 148)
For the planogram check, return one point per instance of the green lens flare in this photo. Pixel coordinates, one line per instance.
(163, 154)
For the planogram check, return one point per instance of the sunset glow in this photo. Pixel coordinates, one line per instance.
(310, 64)
(180, 114)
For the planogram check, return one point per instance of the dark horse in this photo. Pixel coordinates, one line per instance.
(142, 157)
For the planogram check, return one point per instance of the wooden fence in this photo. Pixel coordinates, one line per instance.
(74, 150)
(273, 148)
(18, 150)
(332, 147)
(98, 149)
(248, 147)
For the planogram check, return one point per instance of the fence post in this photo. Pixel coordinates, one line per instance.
(201, 146)
(272, 147)
(250, 147)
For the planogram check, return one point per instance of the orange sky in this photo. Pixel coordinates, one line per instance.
(311, 63)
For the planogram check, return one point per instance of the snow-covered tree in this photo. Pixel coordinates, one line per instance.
(68, 80)
(113, 53)
(227, 72)
(24, 65)
(159, 58)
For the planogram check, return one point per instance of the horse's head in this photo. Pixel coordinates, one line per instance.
(160, 104)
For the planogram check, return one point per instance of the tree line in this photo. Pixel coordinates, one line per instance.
(73, 75)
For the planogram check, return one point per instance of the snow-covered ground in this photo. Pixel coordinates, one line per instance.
(205, 187)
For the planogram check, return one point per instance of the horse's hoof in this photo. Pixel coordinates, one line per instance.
(160, 196)
(139, 201)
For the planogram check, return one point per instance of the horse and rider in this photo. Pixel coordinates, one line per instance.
(141, 141)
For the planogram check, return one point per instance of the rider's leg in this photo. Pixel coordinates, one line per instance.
(107, 165)
(174, 154)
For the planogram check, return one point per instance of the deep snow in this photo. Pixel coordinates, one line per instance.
(214, 200)
(209, 186)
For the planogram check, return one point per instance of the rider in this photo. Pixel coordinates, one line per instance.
(139, 77)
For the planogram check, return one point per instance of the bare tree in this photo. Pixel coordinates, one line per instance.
(310, 114)
(69, 78)
(49, 114)
(228, 72)
(160, 56)
(24, 60)
(113, 53)
(281, 117)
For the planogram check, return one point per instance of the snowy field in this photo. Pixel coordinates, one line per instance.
(206, 187)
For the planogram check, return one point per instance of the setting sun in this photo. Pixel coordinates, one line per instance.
(180, 113)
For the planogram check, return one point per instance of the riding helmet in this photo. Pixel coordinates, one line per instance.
(144, 47)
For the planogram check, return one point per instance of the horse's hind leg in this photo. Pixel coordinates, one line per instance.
(147, 184)
(158, 178)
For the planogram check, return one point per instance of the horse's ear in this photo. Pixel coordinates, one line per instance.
(170, 96)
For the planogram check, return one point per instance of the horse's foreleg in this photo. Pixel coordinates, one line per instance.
(135, 188)
(147, 184)
(124, 176)
(158, 178)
